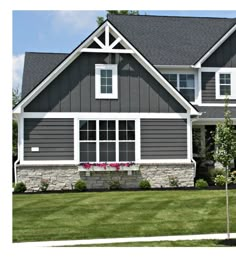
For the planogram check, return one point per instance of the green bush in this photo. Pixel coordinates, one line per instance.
(20, 187)
(212, 173)
(201, 183)
(144, 184)
(115, 185)
(173, 181)
(44, 185)
(80, 185)
(233, 177)
(220, 180)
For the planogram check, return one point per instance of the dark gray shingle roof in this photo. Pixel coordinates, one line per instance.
(214, 112)
(172, 40)
(37, 66)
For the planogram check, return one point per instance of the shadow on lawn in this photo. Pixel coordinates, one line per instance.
(227, 242)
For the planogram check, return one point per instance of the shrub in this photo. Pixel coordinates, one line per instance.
(20, 187)
(201, 183)
(44, 185)
(173, 181)
(80, 185)
(144, 184)
(233, 177)
(212, 173)
(220, 180)
(115, 185)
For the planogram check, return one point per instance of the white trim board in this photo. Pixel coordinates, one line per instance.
(150, 68)
(199, 63)
(105, 115)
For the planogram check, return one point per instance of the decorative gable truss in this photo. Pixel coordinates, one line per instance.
(106, 39)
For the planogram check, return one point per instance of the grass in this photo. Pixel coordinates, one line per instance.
(181, 243)
(43, 217)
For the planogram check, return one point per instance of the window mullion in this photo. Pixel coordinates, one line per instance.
(97, 141)
(117, 140)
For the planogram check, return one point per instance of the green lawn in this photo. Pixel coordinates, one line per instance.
(42, 217)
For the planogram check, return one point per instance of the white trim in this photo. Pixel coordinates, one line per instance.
(215, 105)
(48, 162)
(76, 140)
(99, 42)
(117, 140)
(216, 46)
(189, 139)
(198, 99)
(105, 115)
(113, 68)
(231, 85)
(218, 69)
(97, 141)
(115, 42)
(150, 68)
(163, 161)
(173, 66)
(106, 50)
(137, 139)
(107, 35)
(21, 138)
(211, 121)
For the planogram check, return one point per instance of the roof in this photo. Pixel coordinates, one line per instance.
(37, 66)
(166, 40)
(214, 112)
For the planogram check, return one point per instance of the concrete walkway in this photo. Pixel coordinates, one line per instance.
(122, 240)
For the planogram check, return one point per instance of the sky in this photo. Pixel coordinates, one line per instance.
(62, 31)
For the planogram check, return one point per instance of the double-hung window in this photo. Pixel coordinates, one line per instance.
(225, 84)
(185, 83)
(107, 140)
(106, 81)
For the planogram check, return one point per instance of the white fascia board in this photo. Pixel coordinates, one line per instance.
(215, 105)
(105, 115)
(56, 71)
(154, 72)
(214, 48)
(173, 66)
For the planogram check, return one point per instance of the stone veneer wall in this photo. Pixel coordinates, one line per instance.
(64, 177)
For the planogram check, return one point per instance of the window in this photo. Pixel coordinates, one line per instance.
(107, 140)
(126, 141)
(87, 141)
(225, 84)
(185, 83)
(106, 81)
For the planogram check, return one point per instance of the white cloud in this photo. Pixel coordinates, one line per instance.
(17, 67)
(76, 21)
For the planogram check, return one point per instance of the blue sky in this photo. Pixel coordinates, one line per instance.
(62, 31)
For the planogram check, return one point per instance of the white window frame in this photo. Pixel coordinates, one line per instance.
(98, 94)
(116, 141)
(217, 80)
(174, 72)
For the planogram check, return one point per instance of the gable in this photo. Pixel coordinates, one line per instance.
(74, 89)
(225, 55)
(105, 48)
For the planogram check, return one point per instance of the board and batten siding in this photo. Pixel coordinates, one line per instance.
(225, 55)
(209, 89)
(163, 138)
(53, 137)
(74, 89)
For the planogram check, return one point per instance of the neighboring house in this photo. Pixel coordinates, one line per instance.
(134, 90)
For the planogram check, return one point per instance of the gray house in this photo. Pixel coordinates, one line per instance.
(140, 89)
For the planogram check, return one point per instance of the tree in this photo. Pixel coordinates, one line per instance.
(15, 100)
(100, 20)
(225, 150)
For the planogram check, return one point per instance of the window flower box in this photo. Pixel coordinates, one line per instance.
(96, 167)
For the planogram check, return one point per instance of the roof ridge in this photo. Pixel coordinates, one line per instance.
(170, 16)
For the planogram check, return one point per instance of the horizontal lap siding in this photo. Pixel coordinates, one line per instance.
(163, 139)
(54, 137)
(209, 89)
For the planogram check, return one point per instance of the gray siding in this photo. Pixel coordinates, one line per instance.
(163, 139)
(209, 89)
(74, 89)
(54, 137)
(225, 55)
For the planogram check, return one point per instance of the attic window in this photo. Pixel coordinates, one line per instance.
(106, 86)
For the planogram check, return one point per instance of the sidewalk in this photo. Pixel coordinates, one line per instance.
(122, 240)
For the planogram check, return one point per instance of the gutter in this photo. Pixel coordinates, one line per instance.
(16, 162)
